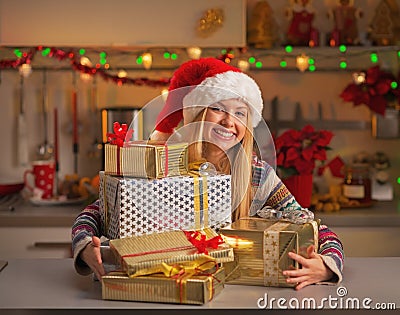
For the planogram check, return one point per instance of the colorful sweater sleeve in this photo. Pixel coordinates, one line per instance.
(86, 225)
(271, 198)
(331, 251)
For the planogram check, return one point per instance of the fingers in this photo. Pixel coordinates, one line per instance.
(300, 259)
(295, 273)
(96, 241)
(99, 271)
(91, 255)
(311, 252)
(96, 249)
(298, 279)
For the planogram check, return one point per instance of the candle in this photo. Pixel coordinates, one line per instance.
(74, 118)
(56, 137)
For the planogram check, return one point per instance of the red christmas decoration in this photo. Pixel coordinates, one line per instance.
(297, 151)
(75, 64)
(378, 90)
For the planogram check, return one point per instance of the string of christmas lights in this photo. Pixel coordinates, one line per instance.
(289, 58)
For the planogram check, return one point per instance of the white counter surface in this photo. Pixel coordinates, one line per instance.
(44, 284)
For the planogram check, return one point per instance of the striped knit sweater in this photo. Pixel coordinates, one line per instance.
(269, 193)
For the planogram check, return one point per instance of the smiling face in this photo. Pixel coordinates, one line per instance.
(227, 122)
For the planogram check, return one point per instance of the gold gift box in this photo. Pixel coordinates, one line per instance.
(261, 250)
(137, 253)
(198, 289)
(146, 159)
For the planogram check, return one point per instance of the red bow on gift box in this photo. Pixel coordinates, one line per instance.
(200, 241)
(121, 132)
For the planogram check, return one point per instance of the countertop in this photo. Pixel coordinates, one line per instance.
(25, 213)
(43, 284)
(382, 213)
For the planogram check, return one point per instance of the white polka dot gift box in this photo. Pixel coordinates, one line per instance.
(137, 206)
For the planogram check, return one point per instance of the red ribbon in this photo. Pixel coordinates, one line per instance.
(166, 160)
(121, 132)
(200, 241)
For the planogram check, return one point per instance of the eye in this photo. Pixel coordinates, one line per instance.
(216, 108)
(241, 114)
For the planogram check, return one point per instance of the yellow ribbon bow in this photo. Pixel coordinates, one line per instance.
(187, 268)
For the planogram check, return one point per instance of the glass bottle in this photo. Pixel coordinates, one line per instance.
(357, 183)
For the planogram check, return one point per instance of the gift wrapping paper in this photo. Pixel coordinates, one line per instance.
(261, 249)
(137, 253)
(198, 289)
(146, 159)
(137, 206)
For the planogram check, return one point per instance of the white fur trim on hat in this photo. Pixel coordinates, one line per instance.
(223, 86)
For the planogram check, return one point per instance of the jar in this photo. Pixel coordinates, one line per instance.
(357, 183)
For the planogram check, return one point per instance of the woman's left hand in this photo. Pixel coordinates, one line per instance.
(313, 269)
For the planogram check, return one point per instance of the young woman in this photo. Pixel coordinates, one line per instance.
(220, 106)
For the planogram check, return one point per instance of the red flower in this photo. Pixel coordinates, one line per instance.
(377, 91)
(297, 151)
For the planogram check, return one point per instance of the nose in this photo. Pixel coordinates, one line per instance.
(227, 120)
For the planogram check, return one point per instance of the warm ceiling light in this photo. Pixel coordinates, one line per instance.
(359, 77)
(243, 65)
(164, 94)
(147, 60)
(194, 52)
(302, 62)
(25, 70)
(122, 73)
(85, 61)
(85, 77)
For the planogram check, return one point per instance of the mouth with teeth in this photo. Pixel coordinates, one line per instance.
(224, 134)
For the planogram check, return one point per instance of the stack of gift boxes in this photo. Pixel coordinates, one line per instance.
(149, 199)
(161, 217)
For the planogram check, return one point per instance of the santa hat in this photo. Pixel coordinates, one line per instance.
(200, 83)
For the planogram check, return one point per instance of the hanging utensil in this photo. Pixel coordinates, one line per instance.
(23, 158)
(96, 147)
(45, 150)
(75, 146)
(56, 160)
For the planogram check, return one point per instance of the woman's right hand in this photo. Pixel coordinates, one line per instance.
(92, 257)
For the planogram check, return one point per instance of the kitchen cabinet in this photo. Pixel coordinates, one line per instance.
(371, 231)
(369, 241)
(35, 242)
(37, 232)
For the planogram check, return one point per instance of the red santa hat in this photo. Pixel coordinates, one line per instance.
(199, 83)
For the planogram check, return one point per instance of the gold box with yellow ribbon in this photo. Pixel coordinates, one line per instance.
(139, 253)
(197, 289)
(137, 206)
(261, 249)
(146, 159)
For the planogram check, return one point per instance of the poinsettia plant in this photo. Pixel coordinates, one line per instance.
(375, 88)
(298, 151)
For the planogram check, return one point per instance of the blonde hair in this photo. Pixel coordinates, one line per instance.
(240, 171)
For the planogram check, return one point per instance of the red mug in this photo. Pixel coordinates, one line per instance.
(43, 173)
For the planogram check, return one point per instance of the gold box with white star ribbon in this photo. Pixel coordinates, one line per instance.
(261, 249)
